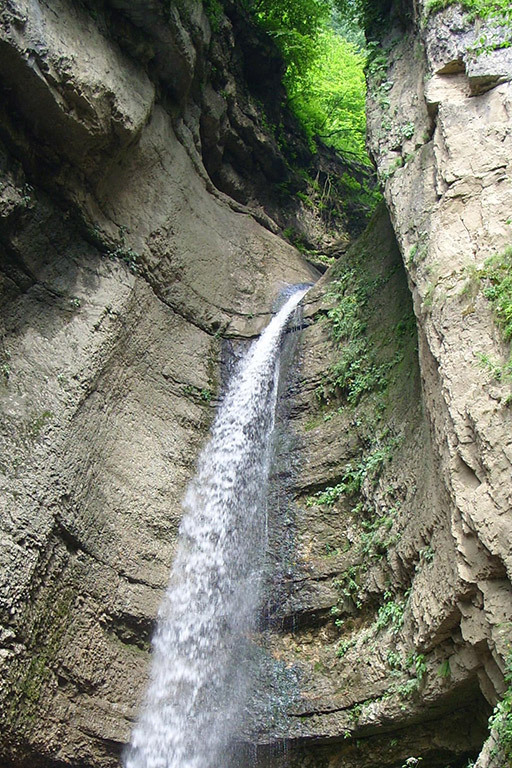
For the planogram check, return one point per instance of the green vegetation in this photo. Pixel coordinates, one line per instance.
(363, 286)
(37, 424)
(444, 669)
(369, 14)
(391, 613)
(324, 75)
(377, 539)
(373, 543)
(296, 26)
(214, 11)
(343, 647)
(45, 631)
(367, 355)
(297, 240)
(323, 259)
(358, 370)
(483, 9)
(374, 360)
(348, 585)
(426, 554)
(497, 13)
(368, 466)
(497, 272)
(407, 673)
(408, 130)
(496, 369)
(499, 371)
(329, 99)
(496, 279)
(416, 661)
(406, 689)
(331, 551)
(500, 721)
(198, 393)
(130, 257)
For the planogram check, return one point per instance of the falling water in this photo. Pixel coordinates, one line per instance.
(195, 696)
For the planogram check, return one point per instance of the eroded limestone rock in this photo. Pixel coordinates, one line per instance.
(122, 268)
(421, 607)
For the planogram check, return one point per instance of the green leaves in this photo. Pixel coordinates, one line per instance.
(295, 25)
(501, 719)
(358, 370)
(497, 13)
(324, 75)
(484, 9)
(391, 613)
(329, 97)
(498, 273)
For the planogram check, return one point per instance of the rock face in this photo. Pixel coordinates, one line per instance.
(138, 233)
(123, 266)
(401, 592)
(449, 202)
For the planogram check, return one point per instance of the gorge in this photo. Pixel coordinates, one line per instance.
(153, 192)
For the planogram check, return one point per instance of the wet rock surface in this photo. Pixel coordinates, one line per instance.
(138, 230)
(400, 595)
(122, 269)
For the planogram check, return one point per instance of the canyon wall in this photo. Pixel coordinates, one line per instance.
(401, 592)
(123, 269)
(141, 202)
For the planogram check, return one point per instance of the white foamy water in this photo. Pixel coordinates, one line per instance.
(195, 698)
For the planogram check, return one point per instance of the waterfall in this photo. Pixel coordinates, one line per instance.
(196, 692)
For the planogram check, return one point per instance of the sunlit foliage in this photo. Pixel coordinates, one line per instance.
(296, 26)
(329, 98)
(324, 76)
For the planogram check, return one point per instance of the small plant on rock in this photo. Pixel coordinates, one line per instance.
(417, 662)
(412, 762)
(391, 613)
(501, 719)
(343, 647)
(444, 669)
(497, 272)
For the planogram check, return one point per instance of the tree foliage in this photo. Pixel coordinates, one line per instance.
(330, 98)
(324, 75)
(369, 14)
(295, 25)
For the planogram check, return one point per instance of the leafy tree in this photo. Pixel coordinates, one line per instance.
(329, 98)
(324, 78)
(295, 25)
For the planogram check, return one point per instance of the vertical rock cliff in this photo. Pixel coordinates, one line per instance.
(400, 600)
(123, 267)
(142, 195)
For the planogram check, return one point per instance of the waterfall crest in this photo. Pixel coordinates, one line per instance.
(195, 695)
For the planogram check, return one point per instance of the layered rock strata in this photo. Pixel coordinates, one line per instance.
(137, 230)
(123, 266)
(401, 594)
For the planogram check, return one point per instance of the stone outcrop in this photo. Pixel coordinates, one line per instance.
(141, 197)
(123, 267)
(401, 592)
(449, 204)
